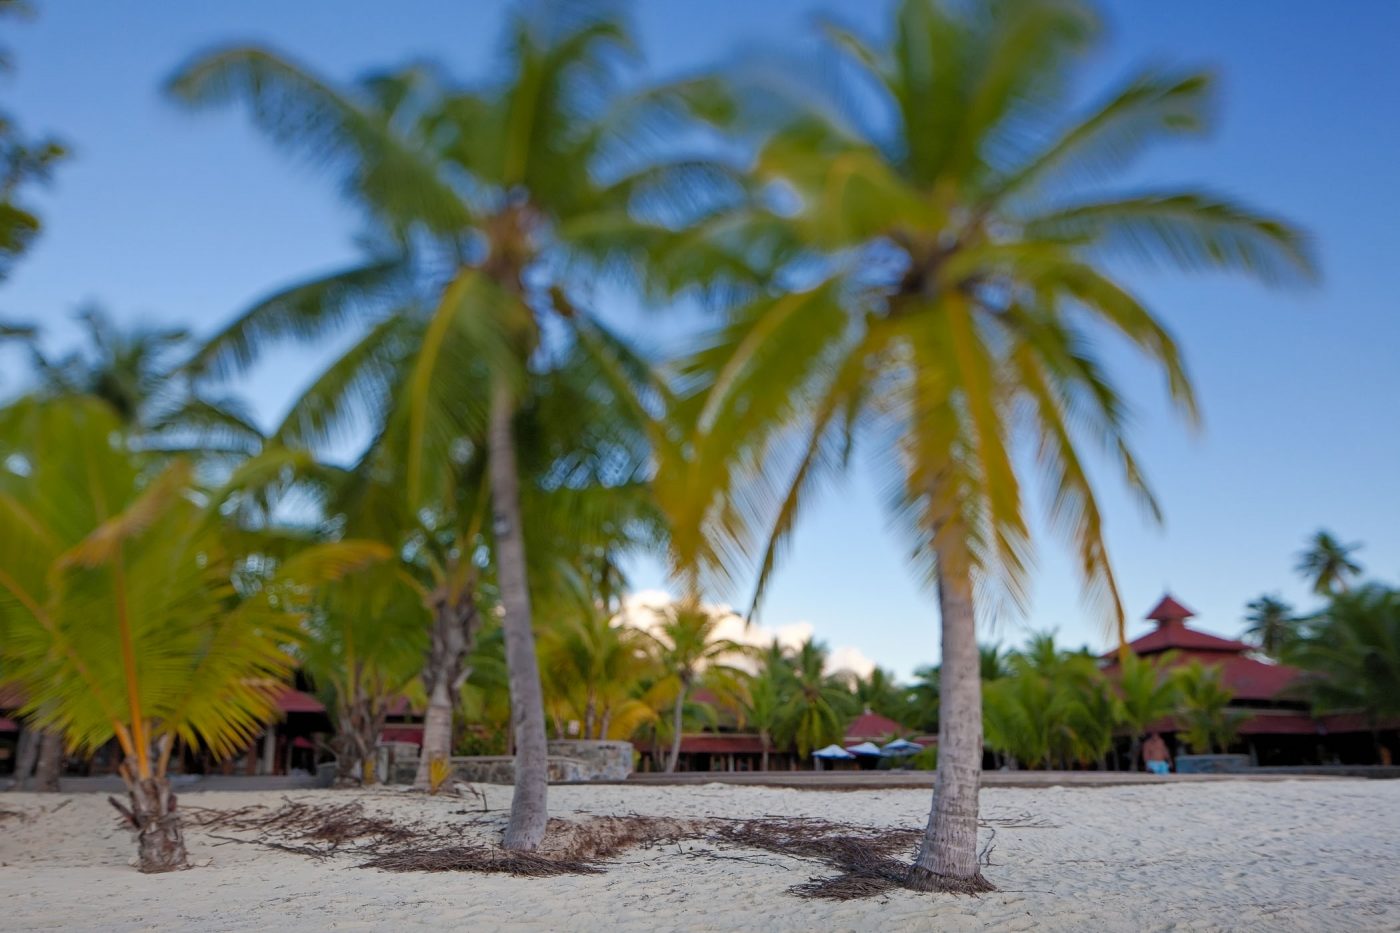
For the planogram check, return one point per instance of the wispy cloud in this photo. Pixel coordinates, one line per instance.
(640, 610)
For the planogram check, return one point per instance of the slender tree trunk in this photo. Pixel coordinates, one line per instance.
(529, 805)
(764, 737)
(1135, 752)
(359, 725)
(444, 672)
(607, 721)
(947, 859)
(50, 765)
(160, 842)
(676, 715)
(25, 756)
(588, 716)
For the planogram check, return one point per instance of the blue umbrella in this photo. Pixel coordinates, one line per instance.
(832, 752)
(901, 747)
(865, 748)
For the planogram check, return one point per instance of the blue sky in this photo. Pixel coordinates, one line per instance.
(172, 217)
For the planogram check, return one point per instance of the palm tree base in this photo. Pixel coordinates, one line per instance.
(922, 879)
(160, 841)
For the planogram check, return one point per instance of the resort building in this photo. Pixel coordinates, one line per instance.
(1278, 727)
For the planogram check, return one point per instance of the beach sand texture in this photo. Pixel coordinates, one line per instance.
(1314, 855)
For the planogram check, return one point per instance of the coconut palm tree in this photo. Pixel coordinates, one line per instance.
(1327, 563)
(139, 371)
(949, 232)
(494, 210)
(819, 704)
(1147, 691)
(1351, 653)
(1271, 624)
(880, 693)
(687, 648)
(764, 696)
(130, 610)
(365, 641)
(1203, 703)
(923, 699)
(23, 163)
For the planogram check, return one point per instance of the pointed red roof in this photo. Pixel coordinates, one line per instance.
(870, 725)
(1169, 610)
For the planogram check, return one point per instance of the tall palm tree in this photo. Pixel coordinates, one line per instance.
(1203, 703)
(1146, 692)
(140, 372)
(880, 693)
(1327, 563)
(1351, 653)
(764, 697)
(1271, 624)
(129, 609)
(494, 210)
(923, 699)
(948, 232)
(819, 704)
(23, 162)
(688, 648)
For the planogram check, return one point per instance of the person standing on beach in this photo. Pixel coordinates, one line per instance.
(1156, 755)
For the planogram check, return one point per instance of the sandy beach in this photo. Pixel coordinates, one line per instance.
(1237, 855)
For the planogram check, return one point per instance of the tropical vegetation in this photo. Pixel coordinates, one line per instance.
(924, 278)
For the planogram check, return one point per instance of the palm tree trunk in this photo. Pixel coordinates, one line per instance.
(358, 728)
(947, 859)
(1135, 753)
(50, 766)
(25, 756)
(160, 842)
(764, 737)
(444, 672)
(676, 715)
(529, 805)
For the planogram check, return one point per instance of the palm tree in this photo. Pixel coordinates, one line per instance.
(1146, 693)
(1272, 624)
(764, 697)
(819, 704)
(23, 162)
(1351, 654)
(880, 693)
(953, 286)
(687, 648)
(140, 372)
(128, 610)
(1203, 705)
(923, 699)
(494, 211)
(365, 641)
(1328, 563)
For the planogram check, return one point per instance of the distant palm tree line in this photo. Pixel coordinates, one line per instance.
(922, 279)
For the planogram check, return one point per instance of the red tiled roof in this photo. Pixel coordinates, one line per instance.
(411, 734)
(10, 697)
(8, 725)
(1169, 610)
(870, 725)
(294, 701)
(1247, 678)
(735, 742)
(1178, 637)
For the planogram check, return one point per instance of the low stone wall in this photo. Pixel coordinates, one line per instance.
(569, 761)
(1213, 764)
(604, 761)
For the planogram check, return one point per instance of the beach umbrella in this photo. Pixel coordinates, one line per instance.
(865, 748)
(832, 752)
(901, 747)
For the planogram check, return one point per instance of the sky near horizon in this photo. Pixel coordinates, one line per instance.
(170, 217)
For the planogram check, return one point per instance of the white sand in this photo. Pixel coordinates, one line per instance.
(1223, 856)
